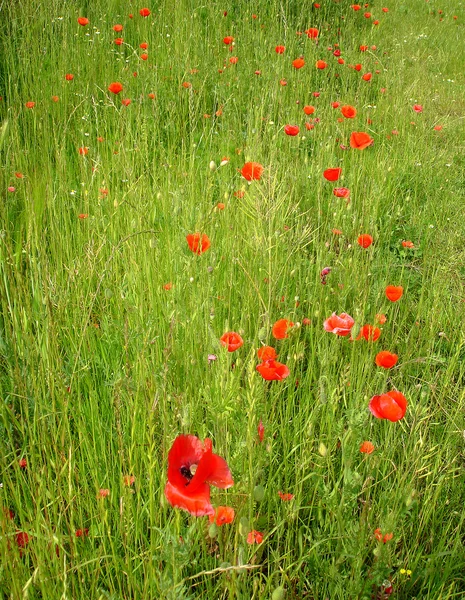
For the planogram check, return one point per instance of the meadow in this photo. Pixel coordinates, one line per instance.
(181, 203)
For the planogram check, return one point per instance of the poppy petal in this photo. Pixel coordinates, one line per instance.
(197, 504)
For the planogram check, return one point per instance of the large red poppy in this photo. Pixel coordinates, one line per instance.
(251, 171)
(280, 328)
(391, 406)
(198, 242)
(360, 140)
(386, 359)
(191, 491)
(332, 174)
(394, 292)
(271, 370)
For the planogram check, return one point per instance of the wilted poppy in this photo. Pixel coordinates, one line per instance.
(190, 490)
(115, 87)
(365, 240)
(391, 406)
(341, 192)
(298, 63)
(339, 324)
(386, 359)
(254, 537)
(223, 515)
(266, 353)
(144, 12)
(271, 370)
(332, 174)
(291, 130)
(83, 21)
(360, 140)
(348, 111)
(231, 340)
(394, 293)
(252, 171)
(198, 242)
(312, 33)
(367, 448)
(280, 328)
(321, 64)
(369, 332)
(280, 49)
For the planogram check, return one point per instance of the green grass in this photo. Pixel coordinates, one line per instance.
(101, 367)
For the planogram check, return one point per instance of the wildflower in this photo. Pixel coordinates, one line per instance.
(144, 12)
(252, 171)
(280, 328)
(418, 108)
(271, 370)
(394, 293)
(22, 463)
(391, 406)
(83, 21)
(83, 151)
(126, 101)
(188, 488)
(309, 110)
(285, 497)
(228, 40)
(69, 77)
(232, 341)
(370, 333)
(341, 192)
(381, 318)
(266, 353)
(367, 448)
(291, 130)
(198, 243)
(30, 104)
(129, 480)
(82, 532)
(280, 49)
(312, 33)
(348, 111)
(386, 359)
(360, 140)
(298, 63)
(115, 87)
(408, 244)
(254, 537)
(339, 325)
(261, 431)
(222, 515)
(117, 28)
(332, 174)
(321, 64)
(365, 240)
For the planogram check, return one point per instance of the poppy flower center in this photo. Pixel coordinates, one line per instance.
(188, 472)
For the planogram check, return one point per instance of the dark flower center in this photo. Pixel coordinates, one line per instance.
(188, 472)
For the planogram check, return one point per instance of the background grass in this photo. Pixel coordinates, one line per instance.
(101, 367)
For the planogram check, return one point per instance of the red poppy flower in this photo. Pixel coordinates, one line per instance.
(197, 242)
(365, 240)
(252, 171)
(332, 174)
(129, 480)
(341, 192)
(83, 150)
(261, 431)
(254, 537)
(280, 49)
(280, 328)
(22, 463)
(223, 515)
(55, 98)
(312, 33)
(126, 101)
(356, 7)
(144, 12)
(367, 15)
(309, 110)
(370, 333)
(385, 10)
(271, 370)
(394, 293)
(30, 104)
(83, 21)
(321, 64)
(22, 539)
(348, 111)
(291, 130)
(144, 56)
(228, 40)
(339, 325)
(285, 497)
(144, 45)
(386, 359)
(266, 353)
(103, 493)
(231, 340)
(115, 87)
(69, 77)
(298, 63)
(82, 532)
(391, 406)
(408, 244)
(367, 76)
(418, 108)
(151, 96)
(360, 140)
(367, 448)
(191, 491)
(381, 318)
(117, 28)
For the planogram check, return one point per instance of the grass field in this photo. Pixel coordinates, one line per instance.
(110, 324)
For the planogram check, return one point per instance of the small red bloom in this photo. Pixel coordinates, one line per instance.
(261, 431)
(118, 42)
(298, 63)
(394, 293)
(252, 171)
(280, 49)
(408, 244)
(321, 64)
(115, 87)
(22, 539)
(339, 325)
(365, 240)
(126, 101)
(30, 104)
(367, 448)
(285, 497)
(271, 370)
(232, 341)
(198, 243)
(83, 21)
(266, 353)
(291, 130)
(82, 532)
(312, 33)
(280, 328)
(349, 112)
(223, 515)
(386, 359)
(255, 537)
(309, 110)
(367, 76)
(391, 406)
(228, 40)
(22, 463)
(144, 12)
(370, 333)
(103, 493)
(117, 28)
(418, 108)
(341, 192)
(129, 480)
(360, 140)
(332, 174)
(83, 151)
